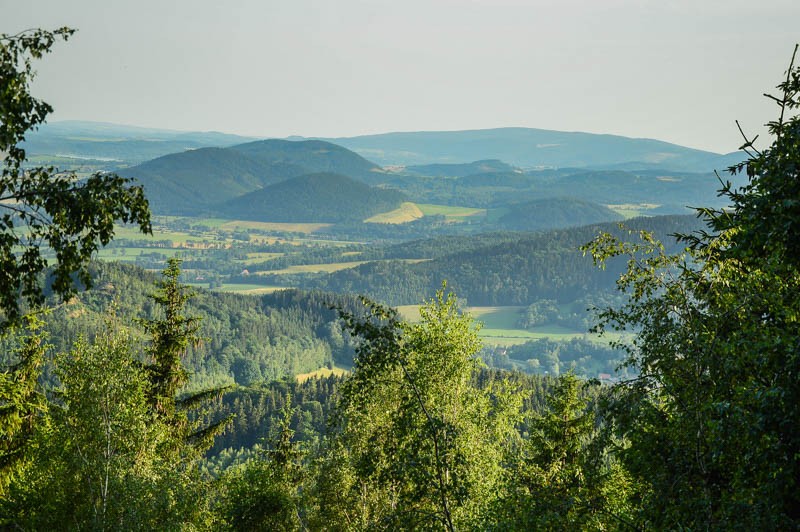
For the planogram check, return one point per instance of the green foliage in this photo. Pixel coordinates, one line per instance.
(420, 446)
(98, 461)
(711, 420)
(264, 494)
(21, 401)
(583, 357)
(285, 333)
(562, 479)
(42, 207)
(171, 336)
(497, 268)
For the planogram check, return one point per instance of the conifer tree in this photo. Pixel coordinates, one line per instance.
(21, 400)
(171, 336)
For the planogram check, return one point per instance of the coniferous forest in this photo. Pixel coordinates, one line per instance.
(130, 400)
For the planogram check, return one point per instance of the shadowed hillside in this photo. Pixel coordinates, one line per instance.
(555, 213)
(323, 197)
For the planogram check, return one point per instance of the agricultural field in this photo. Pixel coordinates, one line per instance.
(259, 256)
(280, 227)
(321, 373)
(499, 325)
(314, 268)
(451, 213)
(241, 288)
(407, 212)
(131, 254)
(633, 210)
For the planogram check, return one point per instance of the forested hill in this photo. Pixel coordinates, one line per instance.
(245, 338)
(460, 170)
(196, 182)
(191, 181)
(314, 156)
(517, 269)
(323, 197)
(554, 213)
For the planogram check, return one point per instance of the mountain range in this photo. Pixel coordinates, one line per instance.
(516, 170)
(528, 147)
(522, 147)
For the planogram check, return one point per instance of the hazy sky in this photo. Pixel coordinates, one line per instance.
(675, 70)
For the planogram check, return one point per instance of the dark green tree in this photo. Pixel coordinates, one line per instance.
(711, 420)
(563, 479)
(264, 494)
(171, 336)
(21, 400)
(42, 208)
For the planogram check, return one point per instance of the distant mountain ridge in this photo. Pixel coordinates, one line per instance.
(119, 143)
(516, 146)
(529, 147)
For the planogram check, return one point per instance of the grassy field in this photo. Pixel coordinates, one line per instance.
(243, 288)
(450, 212)
(240, 225)
(262, 256)
(407, 212)
(321, 373)
(129, 254)
(315, 268)
(633, 210)
(507, 337)
(496, 317)
(159, 233)
(500, 325)
(409, 312)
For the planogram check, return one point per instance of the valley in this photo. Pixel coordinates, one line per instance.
(385, 304)
(265, 216)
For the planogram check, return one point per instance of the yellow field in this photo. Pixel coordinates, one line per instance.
(252, 291)
(321, 373)
(409, 312)
(407, 212)
(241, 288)
(326, 268)
(314, 268)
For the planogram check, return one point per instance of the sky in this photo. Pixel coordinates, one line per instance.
(676, 70)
